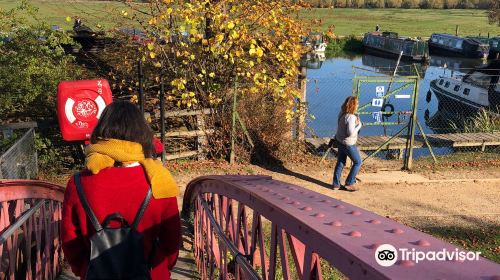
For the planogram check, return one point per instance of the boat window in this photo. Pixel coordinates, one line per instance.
(478, 79)
(434, 39)
(441, 82)
(456, 88)
(447, 84)
(459, 44)
(466, 91)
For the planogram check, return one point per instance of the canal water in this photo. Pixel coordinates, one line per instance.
(330, 82)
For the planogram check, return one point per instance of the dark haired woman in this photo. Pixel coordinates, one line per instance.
(347, 136)
(119, 172)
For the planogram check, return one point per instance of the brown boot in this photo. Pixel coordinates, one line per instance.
(350, 188)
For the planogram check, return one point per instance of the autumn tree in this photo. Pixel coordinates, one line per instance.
(208, 50)
(494, 12)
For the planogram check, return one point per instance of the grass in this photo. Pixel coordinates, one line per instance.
(485, 239)
(467, 159)
(408, 22)
(54, 12)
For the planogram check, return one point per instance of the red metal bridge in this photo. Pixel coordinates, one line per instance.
(245, 227)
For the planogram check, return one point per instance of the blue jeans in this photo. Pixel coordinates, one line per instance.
(345, 151)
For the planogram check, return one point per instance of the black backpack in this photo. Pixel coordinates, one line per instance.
(115, 253)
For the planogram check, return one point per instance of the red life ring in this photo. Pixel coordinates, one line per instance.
(80, 104)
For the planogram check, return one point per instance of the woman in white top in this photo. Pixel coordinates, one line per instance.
(347, 136)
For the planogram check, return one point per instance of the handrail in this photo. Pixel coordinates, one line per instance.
(20, 221)
(30, 216)
(316, 226)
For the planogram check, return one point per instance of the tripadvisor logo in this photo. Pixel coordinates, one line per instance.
(387, 255)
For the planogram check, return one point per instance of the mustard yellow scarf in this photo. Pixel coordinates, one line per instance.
(105, 153)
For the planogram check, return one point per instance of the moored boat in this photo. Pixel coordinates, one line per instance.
(447, 44)
(480, 88)
(389, 44)
(316, 41)
(493, 42)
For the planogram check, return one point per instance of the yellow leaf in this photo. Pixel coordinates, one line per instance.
(152, 55)
(260, 52)
(192, 57)
(68, 18)
(211, 75)
(157, 64)
(230, 25)
(251, 51)
(151, 46)
(219, 37)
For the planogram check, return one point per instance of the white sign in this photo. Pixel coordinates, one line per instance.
(377, 116)
(377, 102)
(380, 91)
(401, 96)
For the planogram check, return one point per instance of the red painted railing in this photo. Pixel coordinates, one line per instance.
(30, 215)
(252, 227)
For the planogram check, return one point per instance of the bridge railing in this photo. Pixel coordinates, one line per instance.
(253, 227)
(30, 215)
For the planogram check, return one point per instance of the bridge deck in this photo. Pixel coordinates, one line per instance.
(455, 140)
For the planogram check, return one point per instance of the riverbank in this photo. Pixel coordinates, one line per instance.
(347, 21)
(406, 22)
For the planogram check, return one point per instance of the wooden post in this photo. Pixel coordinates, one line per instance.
(232, 155)
(162, 117)
(141, 86)
(456, 30)
(202, 139)
(301, 103)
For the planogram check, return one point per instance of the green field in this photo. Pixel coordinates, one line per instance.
(409, 22)
(54, 12)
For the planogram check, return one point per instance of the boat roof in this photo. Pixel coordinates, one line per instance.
(470, 39)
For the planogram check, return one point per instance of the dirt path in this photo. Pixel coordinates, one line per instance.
(454, 197)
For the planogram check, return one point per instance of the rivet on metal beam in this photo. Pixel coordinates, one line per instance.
(334, 223)
(306, 208)
(340, 206)
(354, 233)
(355, 213)
(396, 231)
(318, 215)
(406, 263)
(422, 242)
(374, 222)
(373, 246)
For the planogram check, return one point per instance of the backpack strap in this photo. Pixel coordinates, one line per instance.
(85, 203)
(141, 211)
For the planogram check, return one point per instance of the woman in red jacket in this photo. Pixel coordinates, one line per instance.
(119, 172)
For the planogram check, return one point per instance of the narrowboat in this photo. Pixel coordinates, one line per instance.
(316, 41)
(389, 44)
(450, 45)
(480, 88)
(90, 40)
(493, 42)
